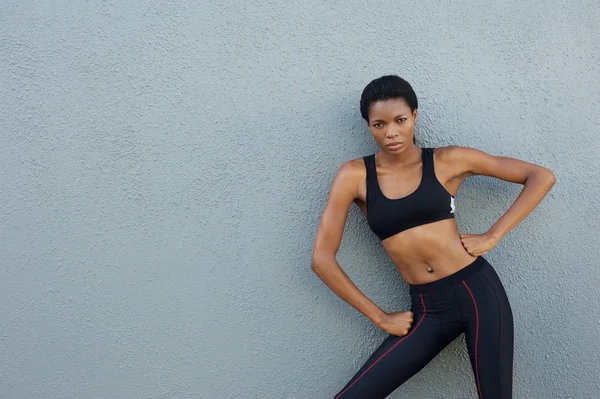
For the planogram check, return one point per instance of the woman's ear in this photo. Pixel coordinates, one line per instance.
(415, 114)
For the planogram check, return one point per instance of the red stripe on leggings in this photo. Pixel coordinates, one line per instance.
(476, 338)
(389, 350)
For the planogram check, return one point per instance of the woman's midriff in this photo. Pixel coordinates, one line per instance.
(428, 252)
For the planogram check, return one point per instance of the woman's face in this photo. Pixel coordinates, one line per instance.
(392, 124)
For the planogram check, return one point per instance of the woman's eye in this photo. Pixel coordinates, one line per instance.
(401, 120)
(377, 125)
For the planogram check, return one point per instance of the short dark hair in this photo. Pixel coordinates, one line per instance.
(386, 88)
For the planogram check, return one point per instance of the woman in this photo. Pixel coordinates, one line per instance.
(407, 194)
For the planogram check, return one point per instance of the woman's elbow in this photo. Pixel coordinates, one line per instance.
(550, 177)
(313, 265)
(318, 261)
(544, 176)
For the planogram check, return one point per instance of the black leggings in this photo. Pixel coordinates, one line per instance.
(472, 301)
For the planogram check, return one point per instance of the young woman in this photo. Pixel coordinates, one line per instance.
(407, 194)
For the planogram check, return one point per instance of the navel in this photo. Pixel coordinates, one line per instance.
(429, 269)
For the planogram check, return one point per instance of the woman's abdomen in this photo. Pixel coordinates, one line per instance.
(428, 252)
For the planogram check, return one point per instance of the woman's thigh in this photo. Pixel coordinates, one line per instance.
(489, 335)
(396, 360)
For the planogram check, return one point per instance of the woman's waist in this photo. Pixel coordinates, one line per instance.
(429, 260)
(451, 292)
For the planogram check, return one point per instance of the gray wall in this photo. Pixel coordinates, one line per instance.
(164, 166)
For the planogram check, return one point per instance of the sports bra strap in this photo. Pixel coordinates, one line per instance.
(371, 174)
(428, 161)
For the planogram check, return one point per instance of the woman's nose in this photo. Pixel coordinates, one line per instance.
(391, 132)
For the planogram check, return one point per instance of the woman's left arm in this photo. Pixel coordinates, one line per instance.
(537, 182)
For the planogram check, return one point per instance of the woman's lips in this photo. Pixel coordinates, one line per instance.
(394, 146)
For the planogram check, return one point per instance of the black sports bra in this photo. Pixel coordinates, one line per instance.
(429, 203)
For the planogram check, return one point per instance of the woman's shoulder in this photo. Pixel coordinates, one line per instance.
(354, 167)
(348, 179)
(352, 173)
(452, 152)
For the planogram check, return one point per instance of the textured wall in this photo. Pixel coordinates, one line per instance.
(164, 166)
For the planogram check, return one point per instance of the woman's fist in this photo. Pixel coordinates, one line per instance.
(477, 244)
(397, 323)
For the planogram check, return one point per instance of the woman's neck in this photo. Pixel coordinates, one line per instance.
(408, 156)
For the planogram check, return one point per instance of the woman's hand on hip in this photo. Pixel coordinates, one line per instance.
(397, 323)
(477, 244)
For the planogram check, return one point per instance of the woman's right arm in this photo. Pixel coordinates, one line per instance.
(344, 190)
